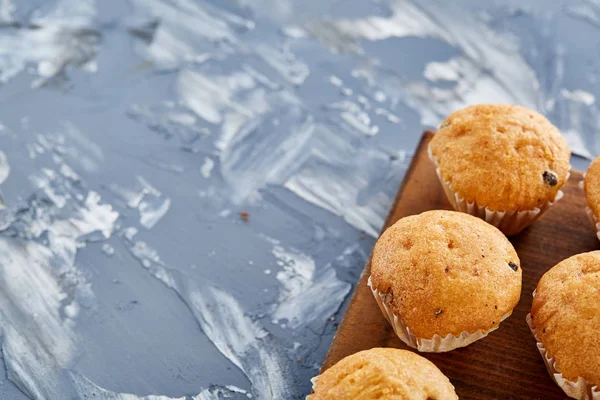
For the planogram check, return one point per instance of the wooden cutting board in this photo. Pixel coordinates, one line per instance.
(506, 364)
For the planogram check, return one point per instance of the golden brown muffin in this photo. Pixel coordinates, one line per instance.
(501, 156)
(592, 187)
(384, 374)
(445, 272)
(566, 316)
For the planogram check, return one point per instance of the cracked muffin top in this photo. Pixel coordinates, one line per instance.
(385, 374)
(566, 315)
(445, 272)
(501, 156)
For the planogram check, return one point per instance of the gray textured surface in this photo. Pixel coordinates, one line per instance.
(136, 132)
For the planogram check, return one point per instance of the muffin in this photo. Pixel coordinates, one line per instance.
(565, 320)
(444, 279)
(591, 185)
(502, 163)
(386, 374)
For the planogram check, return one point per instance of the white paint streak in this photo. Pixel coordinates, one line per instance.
(222, 319)
(4, 167)
(578, 113)
(68, 144)
(65, 37)
(579, 96)
(254, 103)
(182, 118)
(585, 10)
(285, 63)
(319, 301)
(151, 204)
(259, 154)
(184, 23)
(152, 210)
(208, 97)
(7, 10)
(86, 389)
(442, 71)
(33, 355)
(207, 167)
(335, 81)
(355, 117)
(577, 145)
(178, 169)
(218, 393)
(491, 67)
(393, 118)
(86, 145)
(41, 283)
(297, 272)
(241, 340)
(269, 139)
(108, 249)
(301, 298)
(346, 180)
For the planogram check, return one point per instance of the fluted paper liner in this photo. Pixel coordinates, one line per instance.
(313, 380)
(590, 213)
(510, 222)
(580, 389)
(436, 344)
(593, 220)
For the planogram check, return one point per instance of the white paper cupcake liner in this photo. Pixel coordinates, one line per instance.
(590, 213)
(510, 222)
(593, 220)
(580, 389)
(313, 380)
(436, 344)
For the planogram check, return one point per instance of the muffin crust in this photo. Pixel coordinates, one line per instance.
(445, 272)
(592, 187)
(566, 316)
(502, 156)
(383, 373)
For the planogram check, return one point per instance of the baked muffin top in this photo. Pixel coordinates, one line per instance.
(504, 157)
(382, 373)
(566, 316)
(592, 186)
(446, 272)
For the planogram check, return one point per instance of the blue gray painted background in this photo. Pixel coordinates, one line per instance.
(192, 187)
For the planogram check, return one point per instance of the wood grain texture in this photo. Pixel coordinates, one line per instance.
(506, 364)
